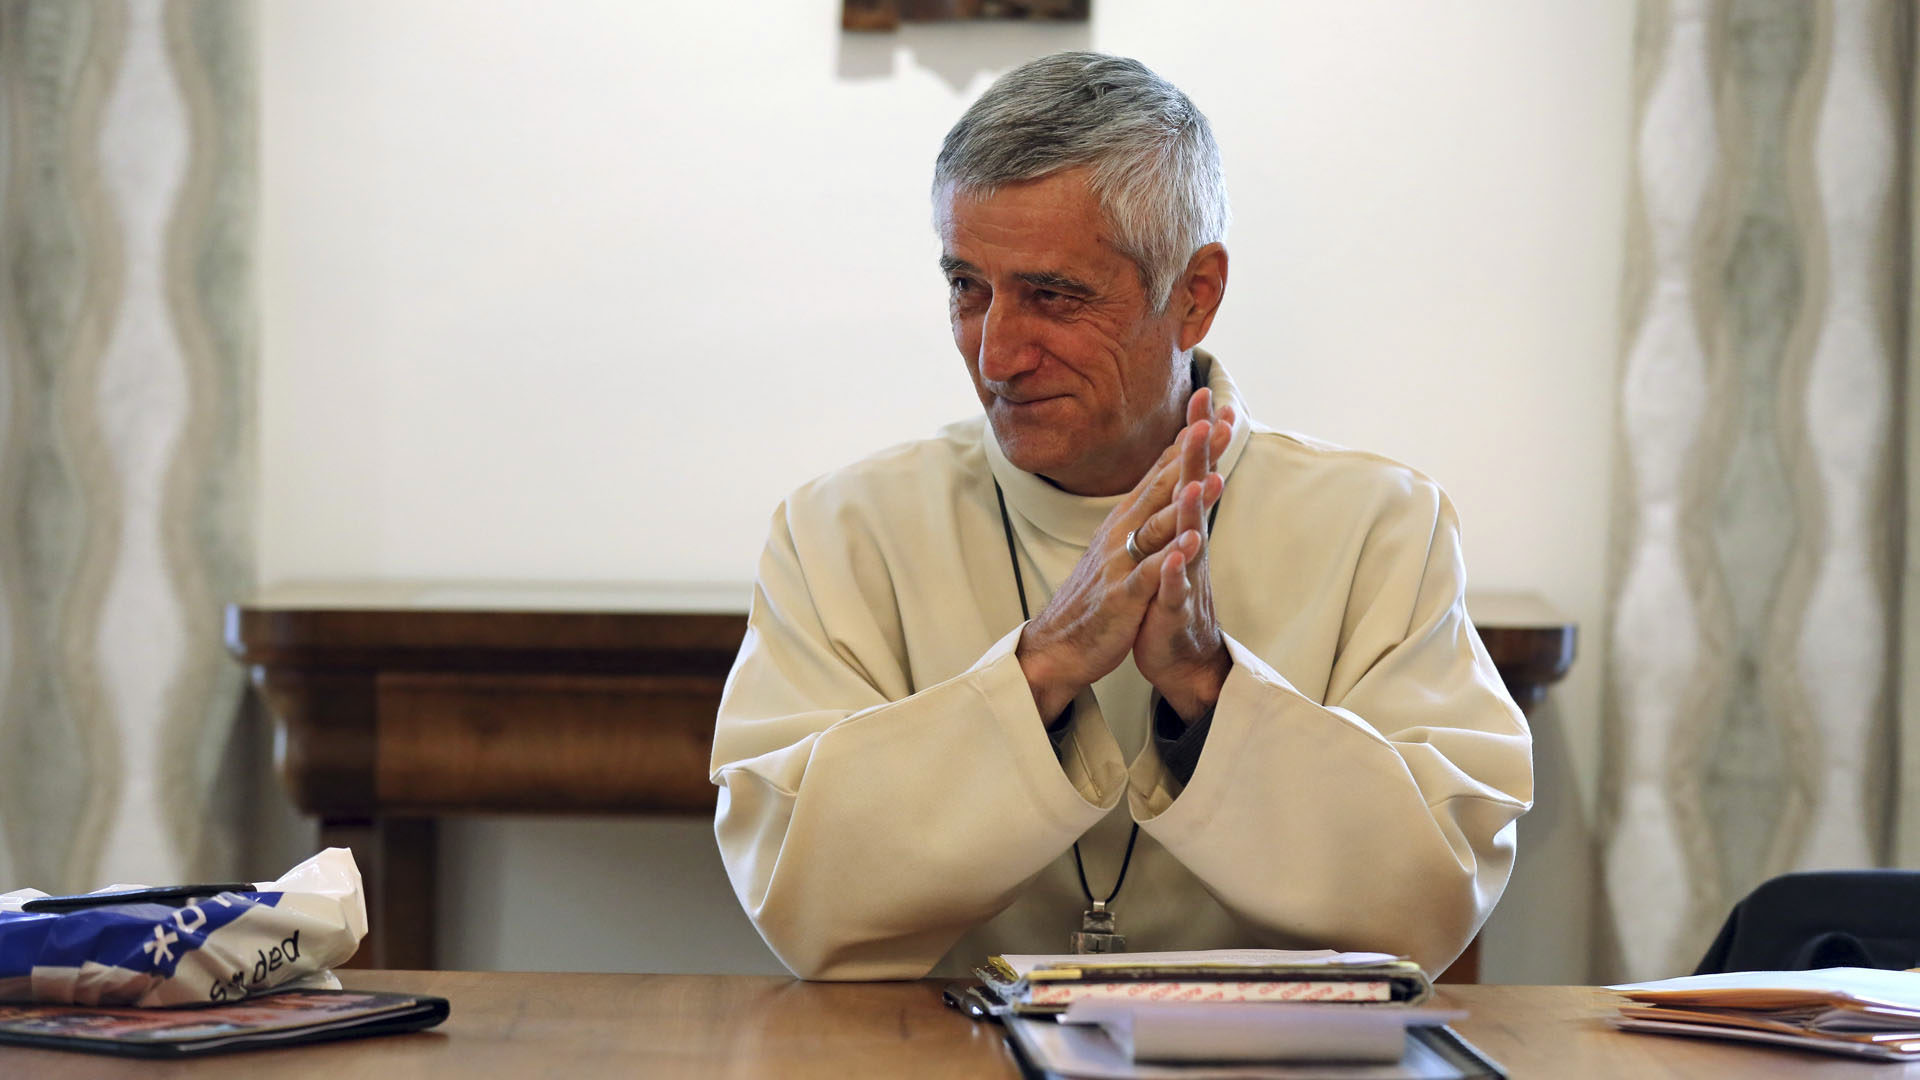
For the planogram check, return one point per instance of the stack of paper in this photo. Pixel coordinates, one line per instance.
(1860, 1012)
(1253, 1031)
(1051, 983)
(1227, 1013)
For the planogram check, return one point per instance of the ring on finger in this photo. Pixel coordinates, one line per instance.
(1133, 548)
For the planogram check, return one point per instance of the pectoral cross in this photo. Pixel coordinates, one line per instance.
(1097, 931)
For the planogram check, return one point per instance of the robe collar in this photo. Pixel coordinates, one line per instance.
(1072, 518)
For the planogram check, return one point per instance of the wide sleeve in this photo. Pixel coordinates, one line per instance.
(1383, 817)
(867, 822)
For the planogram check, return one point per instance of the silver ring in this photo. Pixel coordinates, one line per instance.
(1133, 549)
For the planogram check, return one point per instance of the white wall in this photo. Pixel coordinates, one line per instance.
(577, 291)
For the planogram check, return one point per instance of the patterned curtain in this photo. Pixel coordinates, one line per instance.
(1907, 820)
(1752, 707)
(127, 192)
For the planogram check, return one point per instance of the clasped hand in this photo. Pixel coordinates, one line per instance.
(1159, 609)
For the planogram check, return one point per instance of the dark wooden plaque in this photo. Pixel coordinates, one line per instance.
(889, 14)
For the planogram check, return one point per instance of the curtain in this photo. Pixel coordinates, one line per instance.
(1751, 704)
(127, 191)
(1907, 820)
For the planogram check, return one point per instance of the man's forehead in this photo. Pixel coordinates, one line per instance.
(1026, 232)
(1065, 196)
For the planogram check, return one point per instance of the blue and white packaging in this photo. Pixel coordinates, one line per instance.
(223, 948)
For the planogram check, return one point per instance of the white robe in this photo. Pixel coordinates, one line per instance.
(889, 796)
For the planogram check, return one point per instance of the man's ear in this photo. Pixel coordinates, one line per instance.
(1197, 296)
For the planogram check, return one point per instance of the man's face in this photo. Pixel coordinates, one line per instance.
(1077, 374)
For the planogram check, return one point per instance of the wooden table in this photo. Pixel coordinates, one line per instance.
(508, 1024)
(395, 704)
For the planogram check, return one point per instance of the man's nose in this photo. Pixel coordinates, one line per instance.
(1006, 349)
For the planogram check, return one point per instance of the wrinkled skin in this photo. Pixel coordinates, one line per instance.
(1085, 383)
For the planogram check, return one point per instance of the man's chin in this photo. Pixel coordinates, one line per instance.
(1038, 453)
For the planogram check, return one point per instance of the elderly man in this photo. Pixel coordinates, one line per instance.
(1113, 649)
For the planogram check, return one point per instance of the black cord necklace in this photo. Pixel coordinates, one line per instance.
(1097, 931)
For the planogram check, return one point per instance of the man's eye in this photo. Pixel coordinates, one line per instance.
(966, 291)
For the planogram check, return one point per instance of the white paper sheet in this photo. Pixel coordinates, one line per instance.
(1255, 1031)
(1869, 986)
(1085, 1052)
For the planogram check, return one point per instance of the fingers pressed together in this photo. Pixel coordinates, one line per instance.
(1183, 487)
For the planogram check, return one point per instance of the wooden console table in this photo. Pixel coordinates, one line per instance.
(393, 705)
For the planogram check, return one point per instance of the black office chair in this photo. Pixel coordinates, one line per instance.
(1821, 919)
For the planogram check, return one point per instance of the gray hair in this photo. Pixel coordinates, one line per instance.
(1155, 168)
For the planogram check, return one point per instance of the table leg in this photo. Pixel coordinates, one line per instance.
(1466, 969)
(397, 865)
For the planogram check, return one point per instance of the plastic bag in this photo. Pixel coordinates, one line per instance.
(222, 948)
